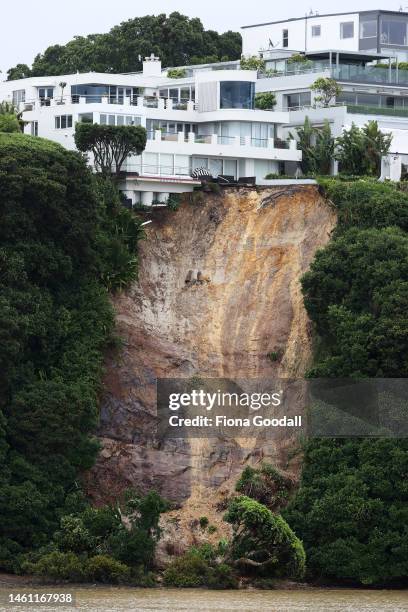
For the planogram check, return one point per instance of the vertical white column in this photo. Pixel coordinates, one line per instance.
(146, 198)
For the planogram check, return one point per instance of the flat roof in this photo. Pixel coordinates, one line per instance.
(257, 25)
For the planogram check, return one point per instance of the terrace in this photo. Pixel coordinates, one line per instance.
(353, 67)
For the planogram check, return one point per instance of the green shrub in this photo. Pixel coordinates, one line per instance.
(222, 576)
(73, 536)
(174, 201)
(265, 100)
(189, 570)
(177, 73)
(203, 520)
(102, 568)
(9, 124)
(366, 203)
(58, 566)
(252, 63)
(199, 567)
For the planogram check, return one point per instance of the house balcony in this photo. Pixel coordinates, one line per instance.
(139, 102)
(223, 146)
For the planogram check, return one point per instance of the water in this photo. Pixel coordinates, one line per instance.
(122, 599)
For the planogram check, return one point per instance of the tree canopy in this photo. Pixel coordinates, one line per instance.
(177, 39)
(326, 89)
(110, 145)
(64, 240)
(263, 542)
(351, 510)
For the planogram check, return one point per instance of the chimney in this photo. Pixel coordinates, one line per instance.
(152, 66)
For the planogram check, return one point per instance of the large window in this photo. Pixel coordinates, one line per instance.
(298, 100)
(119, 119)
(347, 29)
(85, 118)
(63, 121)
(368, 29)
(181, 94)
(237, 94)
(46, 92)
(394, 32)
(216, 166)
(93, 93)
(382, 101)
(18, 96)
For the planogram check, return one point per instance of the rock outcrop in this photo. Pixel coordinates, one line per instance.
(218, 292)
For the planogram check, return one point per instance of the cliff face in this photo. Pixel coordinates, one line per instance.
(218, 290)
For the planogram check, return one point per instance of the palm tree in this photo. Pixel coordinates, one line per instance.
(377, 144)
(63, 86)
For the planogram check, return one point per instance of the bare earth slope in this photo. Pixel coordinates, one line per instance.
(218, 290)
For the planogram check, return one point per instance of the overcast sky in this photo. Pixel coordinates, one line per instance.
(27, 27)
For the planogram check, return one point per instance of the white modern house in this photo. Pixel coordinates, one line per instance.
(205, 119)
(362, 51)
(384, 32)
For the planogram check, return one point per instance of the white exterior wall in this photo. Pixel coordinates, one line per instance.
(256, 38)
(163, 152)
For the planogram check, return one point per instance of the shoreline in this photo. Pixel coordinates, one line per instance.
(14, 581)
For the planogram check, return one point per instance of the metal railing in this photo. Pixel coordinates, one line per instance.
(355, 73)
(151, 102)
(377, 110)
(203, 138)
(171, 136)
(370, 74)
(281, 144)
(214, 139)
(259, 142)
(270, 74)
(226, 140)
(157, 170)
(146, 101)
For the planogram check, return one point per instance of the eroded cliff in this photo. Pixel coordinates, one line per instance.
(218, 290)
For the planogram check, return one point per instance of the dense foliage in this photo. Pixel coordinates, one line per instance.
(11, 120)
(110, 145)
(64, 241)
(265, 100)
(317, 146)
(202, 566)
(326, 90)
(352, 507)
(265, 484)
(176, 39)
(263, 543)
(9, 124)
(359, 150)
(102, 544)
(252, 62)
